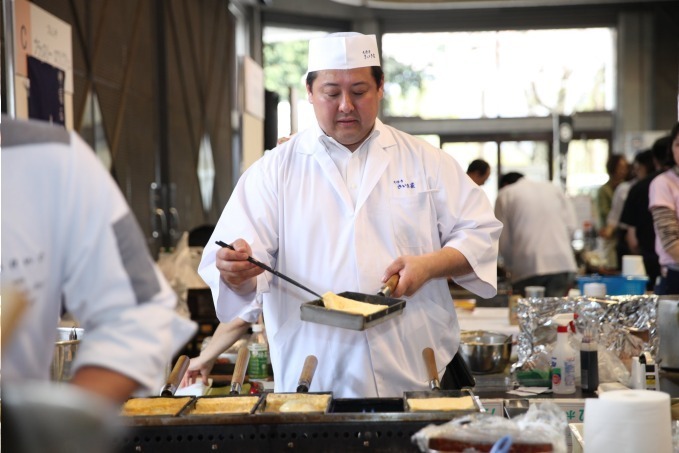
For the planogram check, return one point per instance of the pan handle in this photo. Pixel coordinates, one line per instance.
(430, 362)
(239, 370)
(307, 374)
(175, 376)
(389, 286)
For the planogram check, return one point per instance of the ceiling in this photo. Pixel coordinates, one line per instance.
(467, 4)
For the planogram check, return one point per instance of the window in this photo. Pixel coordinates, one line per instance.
(285, 65)
(498, 73)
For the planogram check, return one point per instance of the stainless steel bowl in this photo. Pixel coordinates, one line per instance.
(484, 351)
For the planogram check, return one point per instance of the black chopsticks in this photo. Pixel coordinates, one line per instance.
(267, 268)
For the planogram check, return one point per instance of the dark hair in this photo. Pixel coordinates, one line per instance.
(662, 148)
(645, 159)
(510, 178)
(673, 136)
(479, 166)
(662, 153)
(377, 73)
(612, 163)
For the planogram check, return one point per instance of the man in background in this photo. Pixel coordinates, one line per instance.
(535, 243)
(479, 171)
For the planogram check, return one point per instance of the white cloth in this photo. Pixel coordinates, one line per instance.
(180, 268)
(619, 197)
(539, 222)
(68, 232)
(294, 209)
(351, 165)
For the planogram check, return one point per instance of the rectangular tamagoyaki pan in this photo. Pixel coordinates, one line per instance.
(442, 395)
(301, 401)
(308, 402)
(222, 405)
(437, 400)
(155, 406)
(315, 311)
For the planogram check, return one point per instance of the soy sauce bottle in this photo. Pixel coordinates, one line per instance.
(589, 361)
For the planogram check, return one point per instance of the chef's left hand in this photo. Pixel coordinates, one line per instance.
(413, 273)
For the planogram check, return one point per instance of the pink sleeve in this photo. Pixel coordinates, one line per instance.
(663, 193)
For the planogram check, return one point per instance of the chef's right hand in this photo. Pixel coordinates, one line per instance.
(197, 367)
(234, 268)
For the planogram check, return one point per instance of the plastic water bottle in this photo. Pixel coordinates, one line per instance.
(259, 353)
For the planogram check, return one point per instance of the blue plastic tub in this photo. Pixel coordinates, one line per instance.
(616, 285)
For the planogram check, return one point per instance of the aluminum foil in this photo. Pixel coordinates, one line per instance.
(625, 325)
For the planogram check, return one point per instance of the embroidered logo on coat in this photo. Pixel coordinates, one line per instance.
(402, 184)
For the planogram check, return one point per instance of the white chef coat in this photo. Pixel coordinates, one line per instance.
(295, 210)
(68, 232)
(539, 222)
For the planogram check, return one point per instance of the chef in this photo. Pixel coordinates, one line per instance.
(342, 206)
(69, 237)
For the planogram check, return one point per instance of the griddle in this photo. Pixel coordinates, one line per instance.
(297, 432)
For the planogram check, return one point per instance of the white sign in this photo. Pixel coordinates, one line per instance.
(253, 84)
(51, 42)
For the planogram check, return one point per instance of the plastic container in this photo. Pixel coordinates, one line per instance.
(616, 285)
(259, 353)
(563, 359)
(533, 378)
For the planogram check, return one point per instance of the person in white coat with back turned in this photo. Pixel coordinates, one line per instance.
(539, 221)
(342, 206)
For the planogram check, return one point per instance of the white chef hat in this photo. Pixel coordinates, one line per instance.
(346, 50)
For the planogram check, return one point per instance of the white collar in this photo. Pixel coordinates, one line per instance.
(327, 140)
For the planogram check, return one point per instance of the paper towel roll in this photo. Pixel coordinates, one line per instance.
(628, 421)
